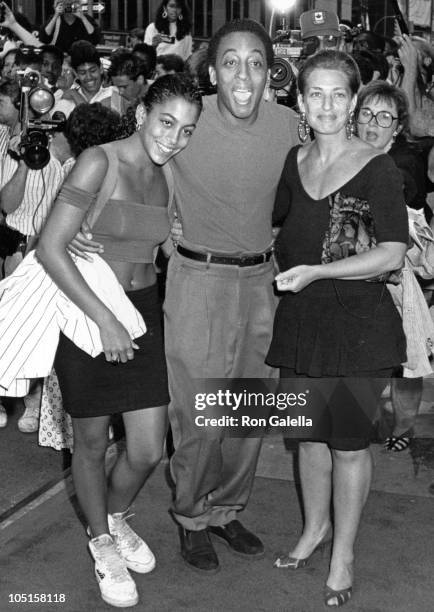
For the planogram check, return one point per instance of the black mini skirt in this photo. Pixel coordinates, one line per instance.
(92, 386)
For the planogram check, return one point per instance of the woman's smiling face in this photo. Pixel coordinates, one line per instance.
(327, 101)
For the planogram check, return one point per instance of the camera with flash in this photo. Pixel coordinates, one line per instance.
(36, 100)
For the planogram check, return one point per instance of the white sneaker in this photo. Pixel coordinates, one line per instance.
(3, 416)
(29, 420)
(135, 552)
(115, 583)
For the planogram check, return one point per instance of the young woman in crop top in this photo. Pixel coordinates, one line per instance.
(129, 377)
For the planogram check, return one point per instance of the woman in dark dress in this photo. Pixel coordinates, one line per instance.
(331, 325)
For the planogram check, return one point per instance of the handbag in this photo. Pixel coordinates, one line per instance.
(351, 231)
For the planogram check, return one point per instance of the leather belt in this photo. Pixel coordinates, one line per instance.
(226, 260)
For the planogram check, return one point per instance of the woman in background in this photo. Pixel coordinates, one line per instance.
(171, 30)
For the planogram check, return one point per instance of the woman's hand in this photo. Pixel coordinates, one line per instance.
(295, 279)
(116, 342)
(408, 55)
(59, 9)
(9, 19)
(156, 40)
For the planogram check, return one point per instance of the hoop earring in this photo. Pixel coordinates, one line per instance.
(350, 128)
(303, 128)
(164, 14)
(180, 17)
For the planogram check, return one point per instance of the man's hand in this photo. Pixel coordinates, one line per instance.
(83, 244)
(176, 231)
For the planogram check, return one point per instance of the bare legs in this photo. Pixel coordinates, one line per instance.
(343, 477)
(145, 432)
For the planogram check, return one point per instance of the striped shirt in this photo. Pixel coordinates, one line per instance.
(33, 311)
(42, 187)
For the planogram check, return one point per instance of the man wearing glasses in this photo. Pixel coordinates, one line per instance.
(320, 30)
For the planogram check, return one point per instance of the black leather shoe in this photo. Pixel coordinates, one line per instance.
(198, 552)
(240, 540)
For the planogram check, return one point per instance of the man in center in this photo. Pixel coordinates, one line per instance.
(220, 303)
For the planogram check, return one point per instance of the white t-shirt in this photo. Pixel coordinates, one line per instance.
(181, 47)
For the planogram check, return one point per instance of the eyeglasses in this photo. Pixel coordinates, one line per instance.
(383, 119)
(312, 44)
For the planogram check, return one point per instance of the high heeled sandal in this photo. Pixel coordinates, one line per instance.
(398, 443)
(287, 562)
(341, 596)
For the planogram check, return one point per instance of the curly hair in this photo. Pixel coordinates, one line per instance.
(179, 85)
(91, 124)
(83, 52)
(183, 26)
(240, 25)
(171, 62)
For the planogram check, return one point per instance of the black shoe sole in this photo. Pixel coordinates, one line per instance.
(209, 572)
(258, 555)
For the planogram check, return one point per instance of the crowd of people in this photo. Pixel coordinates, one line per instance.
(289, 259)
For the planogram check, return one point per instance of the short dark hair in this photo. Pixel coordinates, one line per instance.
(123, 62)
(171, 61)
(91, 124)
(11, 89)
(83, 52)
(151, 56)
(240, 25)
(172, 86)
(383, 91)
(330, 59)
(54, 51)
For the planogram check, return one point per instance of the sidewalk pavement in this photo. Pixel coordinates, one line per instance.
(43, 548)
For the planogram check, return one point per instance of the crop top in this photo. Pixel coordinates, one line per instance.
(129, 231)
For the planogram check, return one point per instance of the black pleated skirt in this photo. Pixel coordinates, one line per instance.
(92, 386)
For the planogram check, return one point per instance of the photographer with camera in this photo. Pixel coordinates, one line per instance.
(69, 24)
(26, 197)
(171, 30)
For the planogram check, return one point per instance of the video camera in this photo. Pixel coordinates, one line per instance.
(288, 49)
(36, 100)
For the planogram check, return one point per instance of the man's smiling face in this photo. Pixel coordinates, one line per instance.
(240, 73)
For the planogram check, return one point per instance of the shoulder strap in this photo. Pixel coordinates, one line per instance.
(168, 174)
(107, 186)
